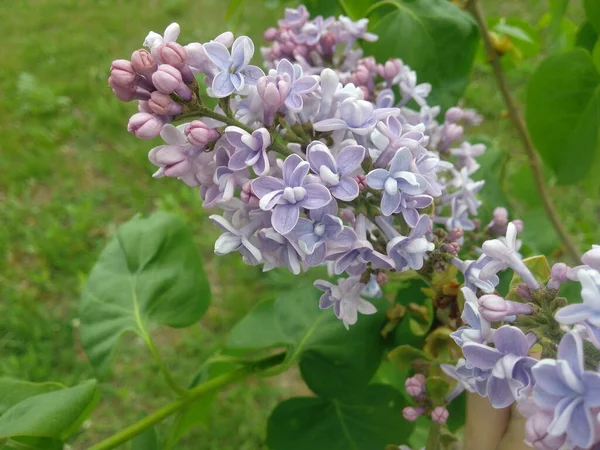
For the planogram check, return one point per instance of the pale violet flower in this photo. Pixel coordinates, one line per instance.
(336, 173)
(477, 329)
(251, 149)
(286, 197)
(396, 181)
(234, 70)
(234, 239)
(509, 363)
(345, 298)
(357, 116)
(563, 387)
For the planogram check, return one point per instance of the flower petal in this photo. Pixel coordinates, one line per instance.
(511, 340)
(499, 392)
(289, 166)
(347, 190)
(317, 196)
(222, 85)
(285, 217)
(318, 155)
(330, 125)
(350, 159)
(389, 203)
(241, 52)
(572, 314)
(401, 160)
(376, 178)
(218, 54)
(263, 185)
(481, 356)
(570, 349)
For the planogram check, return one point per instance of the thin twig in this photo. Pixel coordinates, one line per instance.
(515, 115)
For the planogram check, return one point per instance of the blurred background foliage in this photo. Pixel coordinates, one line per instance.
(71, 173)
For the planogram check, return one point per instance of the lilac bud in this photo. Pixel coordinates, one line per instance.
(471, 117)
(370, 63)
(500, 216)
(328, 42)
(143, 63)
(122, 74)
(558, 275)
(168, 80)
(172, 158)
(414, 387)
(592, 258)
(301, 51)
(271, 34)
(247, 196)
(365, 91)
(273, 91)
(454, 114)
(144, 125)
(174, 55)
(519, 225)
(163, 105)
(288, 47)
(493, 308)
(347, 215)
(361, 76)
(411, 414)
(420, 378)
(382, 278)
(451, 248)
(454, 235)
(536, 432)
(200, 134)
(523, 291)
(129, 94)
(275, 52)
(362, 181)
(453, 132)
(439, 415)
(390, 69)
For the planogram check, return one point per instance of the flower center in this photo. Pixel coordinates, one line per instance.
(328, 176)
(319, 229)
(391, 186)
(294, 195)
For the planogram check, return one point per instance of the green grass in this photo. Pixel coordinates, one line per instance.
(71, 173)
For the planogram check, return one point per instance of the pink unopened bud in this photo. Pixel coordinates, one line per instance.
(500, 216)
(275, 52)
(362, 181)
(382, 278)
(288, 47)
(414, 386)
(439, 415)
(347, 215)
(453, 132)
(420, 378)
(390, 69)
(200, 134)
(163, 105)
(144, 125)
(411, 414)
(273, 90)
(122, 74)
(175, 55)
(519, 225)
(247, 196)
(370, 63)
(452, 248)
(471, 117)
(365, 91)
(361, 76)
(168, 80)
(172, 158)
(271, 34)
(492, 307)
(558, 275)
(523, 291)
(454, 114)
(328, 42)
(536, 432)
(143, 63)
(301, 50)
(454, 235)
(129, 94)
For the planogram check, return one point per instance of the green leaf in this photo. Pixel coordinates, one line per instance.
(413, 326)
(332, 360)
(434, 37)
(586, 36)
(596, 55)
(563, 113)
(234, 6)
(149, 273)
(146, 440)
(54, 414)
(13, 391)
(557, 11)
(592, 12)
(369, 419)
(437, 388)
(404, 356)
(355, 9)
(457, 410)
(33, 443)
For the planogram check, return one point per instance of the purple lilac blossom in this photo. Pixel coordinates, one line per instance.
(345, 298)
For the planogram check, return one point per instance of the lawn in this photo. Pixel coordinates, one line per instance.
(71, 173)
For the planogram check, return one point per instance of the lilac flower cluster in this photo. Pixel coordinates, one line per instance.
(314, 161)
(322, 159)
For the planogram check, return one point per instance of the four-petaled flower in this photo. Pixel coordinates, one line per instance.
(345, 297)
(397, 181)
(478, 330)
(408, 252)
(510, 365)
(358, 116)
(234, 70)
(251, 149)
(563, 387)
(298, 83)
(336, 173)
(286, 197)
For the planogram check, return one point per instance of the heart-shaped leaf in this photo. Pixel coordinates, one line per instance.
(56, 414)
(149, 273)
(13, 391)
(563, 113)
(434, 37)
(368, 419)
(332, 360)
